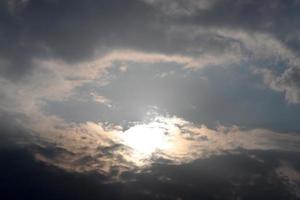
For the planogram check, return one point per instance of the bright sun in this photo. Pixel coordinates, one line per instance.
(146, 138)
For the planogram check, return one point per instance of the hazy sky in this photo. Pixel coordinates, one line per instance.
(83, 83)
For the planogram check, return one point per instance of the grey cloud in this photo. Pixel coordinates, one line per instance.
(252, 15)
(290, 176)
(231, 175)
(12, 133)
(68, 42)
(181, 8)
(14, 6)
(73, 30)
(278, 18)
(288, 82)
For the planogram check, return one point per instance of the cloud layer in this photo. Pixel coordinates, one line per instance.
(66, 51)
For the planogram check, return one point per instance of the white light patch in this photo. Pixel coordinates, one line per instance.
(146, 138)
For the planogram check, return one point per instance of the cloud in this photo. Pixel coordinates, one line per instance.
(101, 147)
(15, 6)
(176, 8)
(51, 48)
(71, 37)
(56, 79)
(288, 82)
(146, 26)
(91, 146)
(101, 99)
(192, 33)
(290, 176)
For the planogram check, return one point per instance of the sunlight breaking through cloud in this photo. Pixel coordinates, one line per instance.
(107, 149)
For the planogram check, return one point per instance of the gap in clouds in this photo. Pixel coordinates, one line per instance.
(193, 95)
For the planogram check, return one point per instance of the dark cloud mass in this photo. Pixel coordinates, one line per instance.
(149, 99)
(71, 30)
(232, 176)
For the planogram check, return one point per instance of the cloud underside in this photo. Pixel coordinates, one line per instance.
(51, 48)
(98, 147)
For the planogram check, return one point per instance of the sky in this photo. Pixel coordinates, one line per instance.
(153, 99)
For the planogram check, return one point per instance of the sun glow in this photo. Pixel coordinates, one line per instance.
(146, 138)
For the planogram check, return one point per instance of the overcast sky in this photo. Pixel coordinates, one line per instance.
(215, 75)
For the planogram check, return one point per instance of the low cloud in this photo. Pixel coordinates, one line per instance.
(101, 147)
